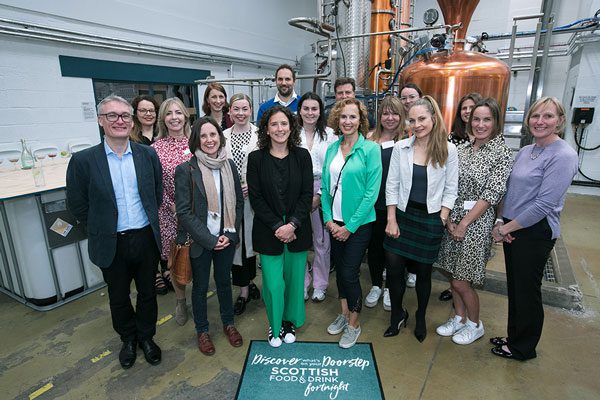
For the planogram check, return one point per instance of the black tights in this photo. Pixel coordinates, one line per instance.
(396, 283)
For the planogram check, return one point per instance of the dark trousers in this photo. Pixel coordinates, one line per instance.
(348, 256)
(241, 275)
(135, 259)
(396, 283)
(376, 254)
(221, 261)
(525, 260)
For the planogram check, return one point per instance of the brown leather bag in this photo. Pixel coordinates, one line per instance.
(179, 262)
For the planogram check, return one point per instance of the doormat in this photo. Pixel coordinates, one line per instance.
(309, 370)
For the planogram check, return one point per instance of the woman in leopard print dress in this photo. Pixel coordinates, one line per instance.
(484, 167)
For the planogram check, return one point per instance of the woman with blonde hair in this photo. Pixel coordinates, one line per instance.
(420, 191)
(530, 224)
(172, 149)
(390, 124)
(241, 139)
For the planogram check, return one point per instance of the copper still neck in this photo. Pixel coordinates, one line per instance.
(456, 11)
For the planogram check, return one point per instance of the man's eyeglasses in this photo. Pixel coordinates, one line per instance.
(114, 117)
(146, 111)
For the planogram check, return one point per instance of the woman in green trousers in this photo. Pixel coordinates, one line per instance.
(280, 184)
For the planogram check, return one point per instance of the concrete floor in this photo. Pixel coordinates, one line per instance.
(65, 352)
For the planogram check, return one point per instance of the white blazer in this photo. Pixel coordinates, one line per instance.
(317, 154)
(246, 235)
(442, 182)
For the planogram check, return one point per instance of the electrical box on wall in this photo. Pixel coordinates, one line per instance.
(583, 116)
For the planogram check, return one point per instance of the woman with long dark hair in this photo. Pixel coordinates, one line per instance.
(315, 136)
(215, 105)
(484, 165)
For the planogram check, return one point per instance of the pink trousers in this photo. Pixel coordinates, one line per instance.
(322, 248)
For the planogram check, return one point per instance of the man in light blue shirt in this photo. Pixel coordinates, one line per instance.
(114, 190)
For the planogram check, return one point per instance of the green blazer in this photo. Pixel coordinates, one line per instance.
(361, 180)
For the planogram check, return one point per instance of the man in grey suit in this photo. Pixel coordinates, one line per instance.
(114, 190)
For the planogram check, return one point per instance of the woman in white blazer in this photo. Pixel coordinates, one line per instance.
(421, 189)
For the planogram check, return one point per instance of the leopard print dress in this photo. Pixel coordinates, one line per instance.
(482, 175)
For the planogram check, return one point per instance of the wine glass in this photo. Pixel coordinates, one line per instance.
(52, 155)
(14, 160)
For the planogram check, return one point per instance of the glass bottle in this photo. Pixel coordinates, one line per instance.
(26, 156)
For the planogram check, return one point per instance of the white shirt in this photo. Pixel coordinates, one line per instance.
(335, 169)
(442, 182)
(285, 103)
(319, 148)
(213, 220)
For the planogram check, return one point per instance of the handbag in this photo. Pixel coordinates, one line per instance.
(179, 262)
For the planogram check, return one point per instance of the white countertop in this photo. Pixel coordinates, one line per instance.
(20, 182)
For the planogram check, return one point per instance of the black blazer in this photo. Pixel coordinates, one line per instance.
(268, 212)
(91, 197)
(195, 223)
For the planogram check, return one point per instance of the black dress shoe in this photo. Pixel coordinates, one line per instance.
(240, 305)
(420, 328)
(498, 351)
(253, 292)
(151, 351)
(446, 295)
(498, 341)
(394, 329)
(128, 354)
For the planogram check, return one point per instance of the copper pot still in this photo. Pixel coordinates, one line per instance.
(448, 76)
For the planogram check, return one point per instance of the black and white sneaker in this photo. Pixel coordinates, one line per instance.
(274, 341)
(289, 332)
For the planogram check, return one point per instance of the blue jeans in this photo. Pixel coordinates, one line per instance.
(222, 261)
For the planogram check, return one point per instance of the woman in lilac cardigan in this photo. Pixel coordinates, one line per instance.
(530, 224)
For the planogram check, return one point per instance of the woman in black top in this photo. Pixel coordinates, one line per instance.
(280, 184)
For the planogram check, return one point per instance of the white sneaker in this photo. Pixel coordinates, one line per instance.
(274, 341)
(338, 325)
(288, 332)
(373, 296)
(387, 304)
(452, 326)
(349, 337)
(470, 333)
(305, 294)
(411, 280)
(318, 295)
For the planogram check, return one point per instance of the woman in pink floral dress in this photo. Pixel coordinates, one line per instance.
(172, 149)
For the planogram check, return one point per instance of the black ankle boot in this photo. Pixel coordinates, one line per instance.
(420, 328)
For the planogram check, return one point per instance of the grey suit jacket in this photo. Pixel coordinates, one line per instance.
(188, 177)
(91, 197)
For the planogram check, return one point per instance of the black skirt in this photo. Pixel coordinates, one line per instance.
(420, 234)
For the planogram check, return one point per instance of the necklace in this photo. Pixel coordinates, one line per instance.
(534, 156)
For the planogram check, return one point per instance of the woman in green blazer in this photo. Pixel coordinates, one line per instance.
(351, 180)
